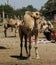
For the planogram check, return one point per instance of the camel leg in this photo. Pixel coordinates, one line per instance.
(29, 46)
(21, 44)
(5, 29)
(36, 48)
(26, 44)
(5, 32)
(15, 32)
(11, 29)
(21, 40)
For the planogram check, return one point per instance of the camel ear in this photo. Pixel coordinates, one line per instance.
(28, 12)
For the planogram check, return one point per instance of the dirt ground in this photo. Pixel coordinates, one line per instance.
(10, 51)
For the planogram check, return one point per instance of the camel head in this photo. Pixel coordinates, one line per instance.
(44, 25)
(41, 24)
(36, 14)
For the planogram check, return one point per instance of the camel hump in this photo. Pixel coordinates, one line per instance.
(12, 21)
(5, 21)
(28, 21)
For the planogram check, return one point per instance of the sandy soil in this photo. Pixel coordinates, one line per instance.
(10, 50)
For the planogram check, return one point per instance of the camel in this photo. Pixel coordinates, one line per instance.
(32, 25)
(47, 29)
(11, 23)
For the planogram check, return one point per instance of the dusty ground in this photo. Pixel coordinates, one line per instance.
(10, 50)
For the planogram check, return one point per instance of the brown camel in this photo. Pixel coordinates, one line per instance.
(11, 23)
(32, 25)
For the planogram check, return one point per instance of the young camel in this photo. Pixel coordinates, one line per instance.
(32, 24)
(11, 23)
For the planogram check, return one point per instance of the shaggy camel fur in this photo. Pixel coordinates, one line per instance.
(28, 20)
(28, 29)
(11, 23)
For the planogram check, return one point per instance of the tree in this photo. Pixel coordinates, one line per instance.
(30, 8)
(7, 9)
(18, 12)
(49, 8)
(23, 9)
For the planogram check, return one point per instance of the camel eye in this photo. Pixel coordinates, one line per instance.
(36, 13)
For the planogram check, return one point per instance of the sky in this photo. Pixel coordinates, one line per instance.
(24, 3)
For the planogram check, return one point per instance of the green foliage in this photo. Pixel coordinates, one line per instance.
(11, 12)
(30, 8)
(22, 11)
(49, 8)
(7, 9)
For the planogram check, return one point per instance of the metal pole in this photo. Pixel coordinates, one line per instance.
(3, 15)
(7, 2)
(14, 5)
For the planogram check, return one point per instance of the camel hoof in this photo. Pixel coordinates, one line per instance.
(37, 57)
(20, 55)
(29, 55)
(29, 58)
(15, 36)
(5, 36)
